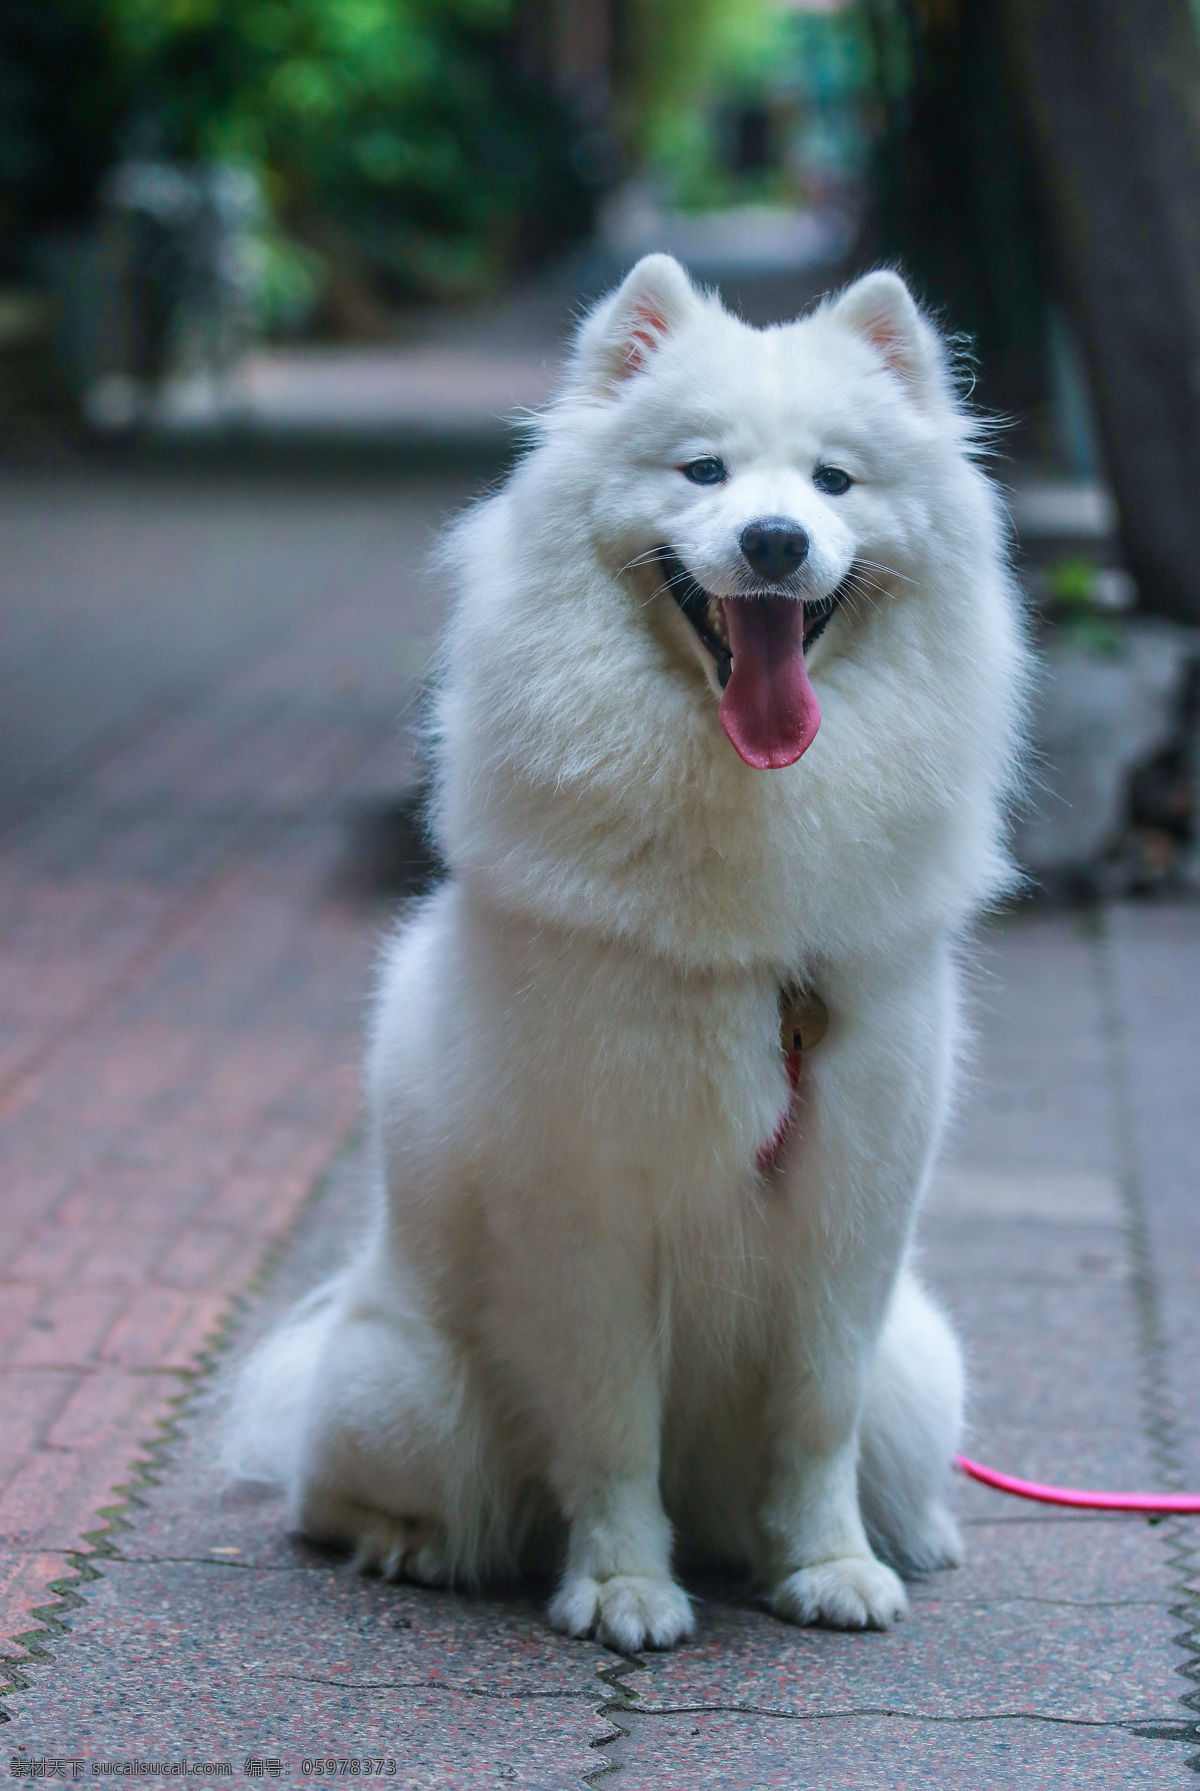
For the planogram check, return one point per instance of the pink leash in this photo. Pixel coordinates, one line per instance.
(1187, 1503)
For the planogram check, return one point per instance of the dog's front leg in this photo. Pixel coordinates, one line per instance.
(871, 1111)
(589, 1353)
(617, 1583)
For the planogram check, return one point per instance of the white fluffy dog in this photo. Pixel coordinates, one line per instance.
(636, 1270)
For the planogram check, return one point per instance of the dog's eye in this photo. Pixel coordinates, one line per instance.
(708, 470)
(832, 481)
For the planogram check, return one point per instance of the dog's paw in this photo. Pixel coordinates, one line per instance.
(853, 1592)
(403, 1548)
(628, 1612)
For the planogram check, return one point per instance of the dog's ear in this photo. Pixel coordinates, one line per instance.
(882, 311)
(625, 331)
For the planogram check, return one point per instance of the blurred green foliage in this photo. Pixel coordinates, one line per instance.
(680, 59)
(693, 67)
(1072, 581)
(1073, 600)
(394, 134)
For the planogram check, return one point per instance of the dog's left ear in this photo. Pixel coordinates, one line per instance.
(626, 330)
(882, 310)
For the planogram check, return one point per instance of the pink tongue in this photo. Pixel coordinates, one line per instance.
(769, 709)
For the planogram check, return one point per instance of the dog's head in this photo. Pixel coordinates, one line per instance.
(763, 477)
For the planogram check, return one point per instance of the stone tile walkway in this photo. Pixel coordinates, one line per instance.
(201, 683)
(179, 1071)
(432, 388)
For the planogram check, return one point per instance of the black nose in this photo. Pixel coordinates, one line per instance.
(774, 547)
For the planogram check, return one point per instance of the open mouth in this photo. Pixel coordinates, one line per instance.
(769, 709)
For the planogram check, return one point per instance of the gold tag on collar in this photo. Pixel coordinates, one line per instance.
(803, 1019)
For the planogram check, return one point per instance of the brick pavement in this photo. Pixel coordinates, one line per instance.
(1051, 1660)
(178, 1058)
(180, 972)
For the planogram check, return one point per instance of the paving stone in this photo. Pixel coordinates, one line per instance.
(974, 1253)
(312, 1624)
(39, 1481)
(425, 1738)
(32, 1400)
(1155, 966)
(178, 1069)
(25, 1576)
(219, 1635)
(126, 596)
(1038, 1088)
(142, 1334)
(1033, 1352)
(180, 975)
(1076, 1455)
(970, 1655)
(1055, 1616)
(1089, 1558)
(883, 1753)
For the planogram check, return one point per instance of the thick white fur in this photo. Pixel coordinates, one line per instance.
(581, 1320)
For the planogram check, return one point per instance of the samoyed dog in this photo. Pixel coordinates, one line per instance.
(729, 712)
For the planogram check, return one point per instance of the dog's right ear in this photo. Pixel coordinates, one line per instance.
(625, 331)
(880, 310)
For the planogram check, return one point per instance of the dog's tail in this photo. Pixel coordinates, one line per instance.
(264, 1426)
